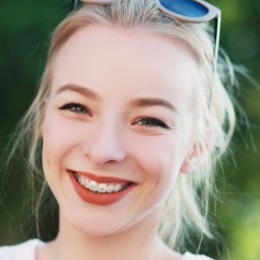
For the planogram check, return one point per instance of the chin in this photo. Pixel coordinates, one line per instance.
(96, 228)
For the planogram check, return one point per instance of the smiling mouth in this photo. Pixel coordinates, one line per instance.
(100, 190)
(101, 187)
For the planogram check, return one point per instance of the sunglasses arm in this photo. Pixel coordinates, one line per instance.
(74, 4)
(217, 39)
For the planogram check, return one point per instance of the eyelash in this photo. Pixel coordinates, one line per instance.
(152, 122)
(145, 121)
(75, 108)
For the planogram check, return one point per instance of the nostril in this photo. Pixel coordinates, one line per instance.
(106, 144)
(104, 154)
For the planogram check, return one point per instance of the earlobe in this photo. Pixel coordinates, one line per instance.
(199, 152)
(189, 165)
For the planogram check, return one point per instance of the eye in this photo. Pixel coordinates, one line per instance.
(75, 108)
(151, 122)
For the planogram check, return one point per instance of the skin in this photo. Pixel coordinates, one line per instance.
(109, 132)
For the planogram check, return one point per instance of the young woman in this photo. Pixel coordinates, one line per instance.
(130, 120)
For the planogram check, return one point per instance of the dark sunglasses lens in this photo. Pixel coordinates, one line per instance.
(188, 8)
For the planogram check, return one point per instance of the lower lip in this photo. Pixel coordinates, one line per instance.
(98, 198)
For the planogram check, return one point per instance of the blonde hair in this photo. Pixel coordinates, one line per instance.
(187, 206)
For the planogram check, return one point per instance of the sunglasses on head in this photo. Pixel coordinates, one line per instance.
(190, 11)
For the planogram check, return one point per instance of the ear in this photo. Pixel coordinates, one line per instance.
(198, 153)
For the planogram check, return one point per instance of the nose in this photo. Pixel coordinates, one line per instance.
(105, 144)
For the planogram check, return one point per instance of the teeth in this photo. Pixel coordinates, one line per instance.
(99, 187)
(117, 187)
(110, 188)
(93, 186)
(83, 182)
(102, 188)
(86, 184)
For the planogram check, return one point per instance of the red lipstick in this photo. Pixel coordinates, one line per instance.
(94, 197)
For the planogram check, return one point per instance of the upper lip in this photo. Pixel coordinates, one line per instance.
(100, 178)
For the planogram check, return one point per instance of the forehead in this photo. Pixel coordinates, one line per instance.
(98, 56)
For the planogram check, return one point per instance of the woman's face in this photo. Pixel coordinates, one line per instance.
(118, 126)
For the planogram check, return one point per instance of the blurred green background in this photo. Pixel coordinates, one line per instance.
(25, 28)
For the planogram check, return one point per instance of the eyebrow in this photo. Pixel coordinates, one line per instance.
(140, 102)
(145, 102)
(80, 90)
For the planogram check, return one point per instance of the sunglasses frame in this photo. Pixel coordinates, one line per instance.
(213, 13)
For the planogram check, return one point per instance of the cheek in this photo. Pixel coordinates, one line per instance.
(160, 157)
(58, 139)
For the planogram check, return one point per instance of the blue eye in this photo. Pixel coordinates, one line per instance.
(152, 122)
(75, 107)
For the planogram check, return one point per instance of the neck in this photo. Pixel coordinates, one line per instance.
(137, 242)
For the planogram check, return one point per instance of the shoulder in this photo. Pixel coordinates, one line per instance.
(25, 250)
(189, 256)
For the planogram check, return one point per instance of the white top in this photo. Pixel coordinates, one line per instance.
(27, 251)
(23, 251)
